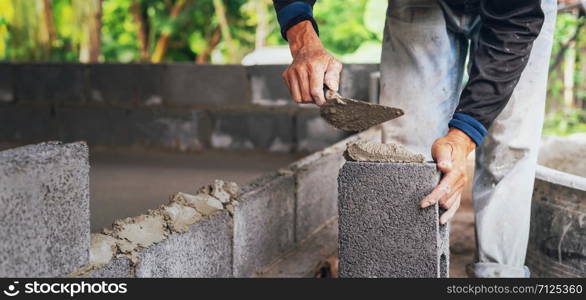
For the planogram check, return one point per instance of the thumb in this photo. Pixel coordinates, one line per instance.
(332, 76)
(442, 154)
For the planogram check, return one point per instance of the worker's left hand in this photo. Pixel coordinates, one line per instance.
(450, 153)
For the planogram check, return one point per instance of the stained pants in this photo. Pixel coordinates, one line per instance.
(425, 50)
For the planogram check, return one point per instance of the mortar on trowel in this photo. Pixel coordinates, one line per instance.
(355, 115)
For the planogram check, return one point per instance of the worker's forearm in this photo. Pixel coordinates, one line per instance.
(292, 12)
(502, 52)
(302, 36)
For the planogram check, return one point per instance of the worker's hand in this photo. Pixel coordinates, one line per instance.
(450, 153)
(312, 66)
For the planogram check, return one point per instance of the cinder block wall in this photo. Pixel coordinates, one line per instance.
(267, 219)
(44, 215)
(182, 107)
(45, 219)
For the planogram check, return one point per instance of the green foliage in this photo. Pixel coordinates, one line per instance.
(342, 25)
(565, 122)
(119, 38)
(345, 27)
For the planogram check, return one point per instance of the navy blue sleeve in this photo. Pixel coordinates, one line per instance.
(290, 12)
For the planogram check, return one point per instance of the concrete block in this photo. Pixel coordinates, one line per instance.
(116, 268)
(383, 232)
(170, 129)
(264, 223)
(27, 124)
(355, 80)
(125, 84)
(6, 83)
(189, 85)
(264, 130)
(267, 85)
(205, 250)
(557, 240)
(317, 194)
(313, 133)
(50, 83)
(44, 220)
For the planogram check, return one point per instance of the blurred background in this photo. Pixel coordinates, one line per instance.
(246, 31)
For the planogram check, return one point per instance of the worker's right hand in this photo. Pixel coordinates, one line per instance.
(312, 66)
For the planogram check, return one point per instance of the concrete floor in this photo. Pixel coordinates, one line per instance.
(127, 183)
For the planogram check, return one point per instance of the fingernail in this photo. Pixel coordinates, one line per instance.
(333, 85)
(427, 203)
(446, 164)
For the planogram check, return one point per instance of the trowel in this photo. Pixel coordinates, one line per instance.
(355, 115)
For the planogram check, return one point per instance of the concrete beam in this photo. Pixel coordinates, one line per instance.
(382, 230)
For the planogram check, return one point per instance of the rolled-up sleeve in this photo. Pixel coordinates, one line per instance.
(291, 12)
(505, 40)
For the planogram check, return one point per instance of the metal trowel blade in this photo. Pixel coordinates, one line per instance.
(355, 115)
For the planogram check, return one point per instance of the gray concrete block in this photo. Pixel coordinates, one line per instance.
(170, 129)
(264, 221)
(6, 82)
(557, 239)
(188, 85)
(44, 220)
(116, 268)
(317, 194)
(355, 80)
(205, 250)
(267, 85)
(264, 130)
(50, 83)
(383, 232)
(27, 124)
(313, 133)
(125, 84)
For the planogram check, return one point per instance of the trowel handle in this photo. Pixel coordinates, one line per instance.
(330, 94)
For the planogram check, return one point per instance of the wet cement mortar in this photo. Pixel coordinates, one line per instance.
(377, 152)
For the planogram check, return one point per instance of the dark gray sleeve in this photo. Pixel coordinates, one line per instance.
(506, 37)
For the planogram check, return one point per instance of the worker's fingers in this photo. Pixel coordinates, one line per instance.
(442, 154)
(303, 82)
(286, 80)
(447, 200)
(293, 86)
(316, 77)
(445, 187)
(332, 76)
(447, 216)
